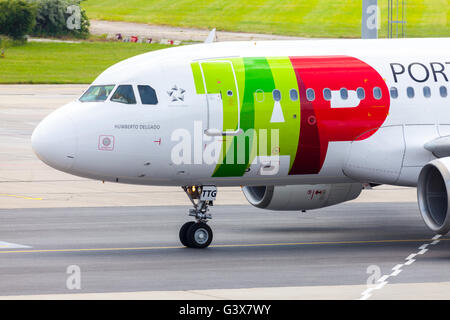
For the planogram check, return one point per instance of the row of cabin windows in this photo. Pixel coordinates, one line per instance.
(123, 94)
(311, 94)
(427, 93)
(360, 93)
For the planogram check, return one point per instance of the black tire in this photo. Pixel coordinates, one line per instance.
(183, 233)
(199, 235)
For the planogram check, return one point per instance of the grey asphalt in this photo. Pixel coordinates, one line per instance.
(126, 249)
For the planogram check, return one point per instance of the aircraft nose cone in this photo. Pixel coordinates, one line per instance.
(54, 141)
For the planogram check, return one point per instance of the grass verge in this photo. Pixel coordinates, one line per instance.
(309, 18)
(64, 63)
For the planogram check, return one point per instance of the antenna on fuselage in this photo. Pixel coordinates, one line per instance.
(211, 37)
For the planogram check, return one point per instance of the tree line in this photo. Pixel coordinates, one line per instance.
(54, 18)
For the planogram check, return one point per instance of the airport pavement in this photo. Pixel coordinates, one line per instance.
(136, 249)
(124, 238)
(431, 291)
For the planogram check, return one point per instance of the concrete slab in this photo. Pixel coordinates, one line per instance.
(407, 291)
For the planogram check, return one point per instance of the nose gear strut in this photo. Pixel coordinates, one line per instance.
(197, 234)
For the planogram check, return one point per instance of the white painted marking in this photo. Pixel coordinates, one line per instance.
(410, 262)
(351, 102)
(411, 256)
(398, 268)
(367, 291)
(381, 285)
(423, 251)
(365, 297)
(9, 245)
(277, 113)
(395, 273)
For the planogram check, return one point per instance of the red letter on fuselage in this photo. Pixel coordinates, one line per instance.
(320, 123)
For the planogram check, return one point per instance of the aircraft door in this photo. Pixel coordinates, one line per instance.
(222, 97)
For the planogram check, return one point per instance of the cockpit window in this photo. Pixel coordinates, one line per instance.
(97, 93)
(148, 95)
(124, 94)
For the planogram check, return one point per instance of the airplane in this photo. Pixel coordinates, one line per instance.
(299, 125)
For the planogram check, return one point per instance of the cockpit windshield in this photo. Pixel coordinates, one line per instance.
(97, 93)
(124, 94)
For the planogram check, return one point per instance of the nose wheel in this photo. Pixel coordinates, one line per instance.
(197, 234)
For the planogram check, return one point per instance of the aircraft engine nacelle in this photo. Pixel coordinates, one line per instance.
(433, 195)
(301, 197)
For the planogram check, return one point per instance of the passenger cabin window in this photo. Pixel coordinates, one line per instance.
(426, 92)
(97, 93)
(377, 93)
(293, 94)
(394, 93)
(361, 93)
(276, 95)
(344, 94)
(124, 94)
(327, 94)
(310, 95)
(148, 95)
(410, 92)
(443, 91)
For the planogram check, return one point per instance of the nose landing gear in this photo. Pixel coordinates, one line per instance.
(197, 234)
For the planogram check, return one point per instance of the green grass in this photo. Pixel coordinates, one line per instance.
(65, 62)
(310, 18)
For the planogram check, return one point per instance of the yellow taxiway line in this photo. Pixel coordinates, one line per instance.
(16, 196)
(222, 246)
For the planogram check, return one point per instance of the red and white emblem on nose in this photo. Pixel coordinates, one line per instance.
(106, 143)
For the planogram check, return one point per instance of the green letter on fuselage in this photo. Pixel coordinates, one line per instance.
(256, 78)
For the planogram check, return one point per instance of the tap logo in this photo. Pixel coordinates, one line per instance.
(307, 101)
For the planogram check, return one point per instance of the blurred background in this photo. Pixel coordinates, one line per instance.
(72, 41)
